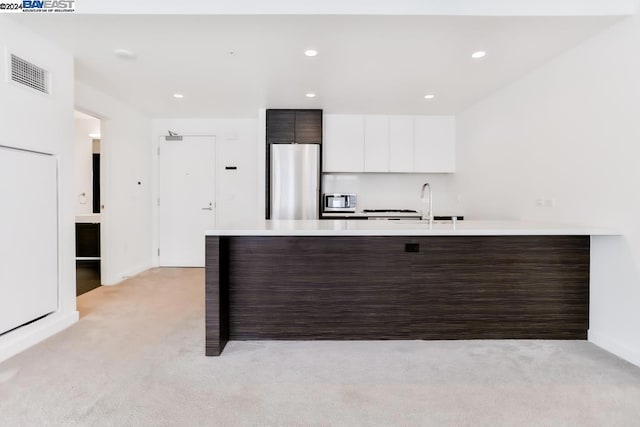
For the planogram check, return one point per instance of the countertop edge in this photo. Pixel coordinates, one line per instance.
(514, 232)
(383, 228)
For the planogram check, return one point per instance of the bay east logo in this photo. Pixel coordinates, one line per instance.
(48, 5)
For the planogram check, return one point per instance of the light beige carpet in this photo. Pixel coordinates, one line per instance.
(136, 358)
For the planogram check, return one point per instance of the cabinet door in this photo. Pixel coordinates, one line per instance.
(401, 144)
(376, 144)
(344, 143)
(280, 126)
(308, 126)
(434, 144)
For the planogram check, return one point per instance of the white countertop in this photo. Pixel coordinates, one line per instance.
(334, 227)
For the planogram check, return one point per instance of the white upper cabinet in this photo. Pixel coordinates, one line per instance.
(376, 144)
(343, 146)
(409, 144)
(434, 144)
(401, 143)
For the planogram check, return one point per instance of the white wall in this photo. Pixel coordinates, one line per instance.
(242, 132)
(126, 183)
(83, 168)
(34, 121)
(569, 132)
(395, 191)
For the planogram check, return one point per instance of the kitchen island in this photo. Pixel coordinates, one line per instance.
(350, 280)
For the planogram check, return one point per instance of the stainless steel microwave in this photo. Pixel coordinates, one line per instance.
(337, 202)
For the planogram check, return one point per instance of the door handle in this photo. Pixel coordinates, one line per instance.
(209, 208)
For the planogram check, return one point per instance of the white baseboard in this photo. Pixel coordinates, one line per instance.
(110, 281)
(24, 337)
(613, 346)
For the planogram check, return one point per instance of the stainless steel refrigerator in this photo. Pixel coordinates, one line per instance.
(295, 181)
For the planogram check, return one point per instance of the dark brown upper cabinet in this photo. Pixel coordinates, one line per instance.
(294, 126)
(308, 127)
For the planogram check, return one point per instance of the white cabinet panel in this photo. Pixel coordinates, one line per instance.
(434, 141)
(28, 237)
(420, 144)
(235, 183)
(343, 145)
(376, 144)
(401, 144)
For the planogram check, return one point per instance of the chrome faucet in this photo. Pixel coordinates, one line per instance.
(429, 215)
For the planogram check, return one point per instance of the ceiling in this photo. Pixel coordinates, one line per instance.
(366, 64)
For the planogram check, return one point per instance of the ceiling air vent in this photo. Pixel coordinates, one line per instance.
(28, 74)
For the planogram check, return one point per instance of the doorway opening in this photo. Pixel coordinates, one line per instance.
(88, 205)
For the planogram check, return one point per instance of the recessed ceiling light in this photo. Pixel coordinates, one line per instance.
(429, 96)
(124, 54)
(178, 95)
(94, 135)
(311, 52)
(479, 54)
(311, 95)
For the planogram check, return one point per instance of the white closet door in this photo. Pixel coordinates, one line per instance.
(28, 237)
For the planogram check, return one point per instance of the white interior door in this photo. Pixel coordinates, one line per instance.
(28, 237)
(187, 171)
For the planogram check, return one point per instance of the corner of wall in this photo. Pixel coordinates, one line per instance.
(52, 135)
(127, 183)
(614, 346)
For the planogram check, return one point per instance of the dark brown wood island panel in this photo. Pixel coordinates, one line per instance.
(501, 287)
(394, 287)
(216, 295)
(301, 288)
